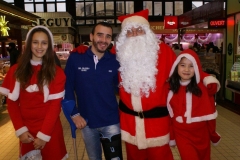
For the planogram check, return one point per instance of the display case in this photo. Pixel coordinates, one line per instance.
(233, 81)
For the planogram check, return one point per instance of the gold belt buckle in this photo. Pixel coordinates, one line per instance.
(140, 114)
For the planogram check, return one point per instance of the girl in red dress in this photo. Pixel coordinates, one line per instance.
(191, 108)
(35, 88)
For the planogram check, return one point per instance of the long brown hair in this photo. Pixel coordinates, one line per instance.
(24, 69)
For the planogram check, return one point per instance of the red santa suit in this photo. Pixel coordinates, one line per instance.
(149, 132)
(37, 112)
(193, 117)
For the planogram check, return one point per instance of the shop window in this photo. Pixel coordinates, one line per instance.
(168, 8)
(120, 7)
(196, 4)
(50, 7)
(39, 7)
(129, 7)
(109, 9)
(61, 7)
(148, 5)
(80, 9)
(9, 1)
(158, 9)
(80, 22)
(29, 7)
(89, 8)
(178, 8)
(89, 21)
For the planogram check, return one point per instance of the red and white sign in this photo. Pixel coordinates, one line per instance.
(170, 22)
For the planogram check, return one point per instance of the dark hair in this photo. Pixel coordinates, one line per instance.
(106, 24)
(24, 70)
(174, 82)
(13, 45)
(86, 43)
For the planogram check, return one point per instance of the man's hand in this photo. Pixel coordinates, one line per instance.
(39, 143)
(80, 49)
(26, 137)
(79, 121)
(212, 89)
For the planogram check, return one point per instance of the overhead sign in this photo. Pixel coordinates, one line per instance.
(55, 22)
(170, 22)
(217, 23)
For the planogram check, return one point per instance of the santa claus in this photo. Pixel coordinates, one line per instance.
(145, 67)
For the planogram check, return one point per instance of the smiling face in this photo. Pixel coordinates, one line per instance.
(101, 38)
(39, 45)
(185, 69)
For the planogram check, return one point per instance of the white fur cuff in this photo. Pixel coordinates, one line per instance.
(43, 136)
(21, 131)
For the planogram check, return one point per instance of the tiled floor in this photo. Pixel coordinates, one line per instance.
(228, 125)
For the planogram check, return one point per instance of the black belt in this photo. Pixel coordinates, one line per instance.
(156, 112)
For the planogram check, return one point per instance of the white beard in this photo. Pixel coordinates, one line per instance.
(138, 60)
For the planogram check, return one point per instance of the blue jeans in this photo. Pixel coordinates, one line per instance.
(92, 137)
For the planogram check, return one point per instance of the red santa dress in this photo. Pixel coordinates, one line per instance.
(37, 112)
(193, 117)
(149, 133)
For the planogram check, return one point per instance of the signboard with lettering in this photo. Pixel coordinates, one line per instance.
(217, 23)
(55, 22)
(170, 22)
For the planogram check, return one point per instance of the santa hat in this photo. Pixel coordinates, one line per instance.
(42, 27)
(138, 17)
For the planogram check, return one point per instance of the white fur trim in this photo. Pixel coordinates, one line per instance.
(150, 142)
(32, 88)
(35, 63)
(137, 19)
(172, 143)
(216, 143)
(188, 113)
(192, 59)
(179, 119)
(21, 131)
(15, 94)
(56, 95)
(46, 93)
(140, 126)
(211, 79)
(65, 157)
(140, 139)
(43, 136)
(136, 103)
(140, 133)
(205, 117)
(170, 95)
(4, 91)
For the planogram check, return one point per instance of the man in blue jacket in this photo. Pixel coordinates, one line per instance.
(92, 77)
